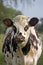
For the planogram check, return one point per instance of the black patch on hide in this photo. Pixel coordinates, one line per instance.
(7, 55)
(14, 44)
(26, 49)
(6, 46)
(33, 39)
(15, 29)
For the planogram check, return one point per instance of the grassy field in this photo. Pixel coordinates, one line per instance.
(2, 61)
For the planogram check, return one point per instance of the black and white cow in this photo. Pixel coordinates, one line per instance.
(22, 44)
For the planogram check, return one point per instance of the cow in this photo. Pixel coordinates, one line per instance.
(22, 44)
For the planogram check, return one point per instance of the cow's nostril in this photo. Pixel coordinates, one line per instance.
(20, 33)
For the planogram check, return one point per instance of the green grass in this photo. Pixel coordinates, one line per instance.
(2, 61)
(40, 62)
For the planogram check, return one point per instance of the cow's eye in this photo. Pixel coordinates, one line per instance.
(26, 27)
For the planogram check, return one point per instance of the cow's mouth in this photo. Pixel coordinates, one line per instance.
(19, 38)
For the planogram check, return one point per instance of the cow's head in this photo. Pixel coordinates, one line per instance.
(24, 26)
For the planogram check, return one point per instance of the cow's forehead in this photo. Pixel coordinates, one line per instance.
(21, 19)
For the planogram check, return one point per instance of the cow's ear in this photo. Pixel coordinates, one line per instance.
(8, 22)
(33, 21)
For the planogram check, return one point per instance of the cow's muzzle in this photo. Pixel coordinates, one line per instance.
(20, 38)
